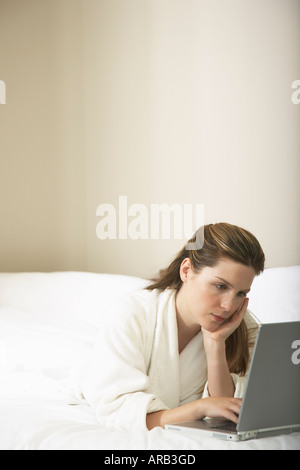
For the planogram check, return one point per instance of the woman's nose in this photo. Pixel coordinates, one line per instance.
(227, 302)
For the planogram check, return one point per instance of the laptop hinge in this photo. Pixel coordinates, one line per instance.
(249, 434)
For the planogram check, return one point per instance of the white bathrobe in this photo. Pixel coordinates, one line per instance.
(136, 367)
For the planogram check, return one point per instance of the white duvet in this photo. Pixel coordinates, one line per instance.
(48, 324)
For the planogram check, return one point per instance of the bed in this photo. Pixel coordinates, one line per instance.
(48, 325)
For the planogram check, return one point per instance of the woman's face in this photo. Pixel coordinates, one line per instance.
(209, 298)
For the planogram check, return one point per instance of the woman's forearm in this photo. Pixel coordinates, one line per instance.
(211, 407)
(220, 383)
(188, 412)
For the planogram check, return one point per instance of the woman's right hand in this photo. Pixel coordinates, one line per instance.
(220, 407)
(210, 407)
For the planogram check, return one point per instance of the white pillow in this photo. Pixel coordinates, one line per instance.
(65, 297)
(27, 344)
(48, 321)
(275, 295)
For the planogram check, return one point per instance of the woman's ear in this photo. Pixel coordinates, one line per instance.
(185, 269)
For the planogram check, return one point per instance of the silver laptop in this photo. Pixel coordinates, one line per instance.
(271, 402)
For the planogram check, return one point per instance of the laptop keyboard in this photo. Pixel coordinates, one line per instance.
(228, 427)
(221, 424)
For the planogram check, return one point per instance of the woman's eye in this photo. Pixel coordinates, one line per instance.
(220, 286)
(224, 287)
(242, 294)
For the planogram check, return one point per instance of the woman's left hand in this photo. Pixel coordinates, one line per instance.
(228, 327)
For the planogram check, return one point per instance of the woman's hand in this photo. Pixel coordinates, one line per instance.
(228, 408)
(220, 383)
(229, 326)
(220, 407)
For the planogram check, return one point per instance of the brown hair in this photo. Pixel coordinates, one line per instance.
(221, 240)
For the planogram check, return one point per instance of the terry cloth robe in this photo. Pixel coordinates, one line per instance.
(136, 368)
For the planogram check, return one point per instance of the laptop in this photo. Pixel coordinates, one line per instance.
(271, 402)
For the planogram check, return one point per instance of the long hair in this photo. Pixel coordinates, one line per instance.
(221, 240)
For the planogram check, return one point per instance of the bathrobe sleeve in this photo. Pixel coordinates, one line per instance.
(240, 382)
(116, 381)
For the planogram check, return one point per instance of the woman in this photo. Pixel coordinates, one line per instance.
(179, 349)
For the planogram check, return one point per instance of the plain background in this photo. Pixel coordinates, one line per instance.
(164, 101)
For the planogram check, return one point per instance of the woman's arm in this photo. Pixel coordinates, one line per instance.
(220, 383)
(228, 408)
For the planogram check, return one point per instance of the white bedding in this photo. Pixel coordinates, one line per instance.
(48, 324)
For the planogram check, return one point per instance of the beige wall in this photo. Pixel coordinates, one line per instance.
(42, 165)
(164, 101)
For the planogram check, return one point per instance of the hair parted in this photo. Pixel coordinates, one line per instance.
(220, 240)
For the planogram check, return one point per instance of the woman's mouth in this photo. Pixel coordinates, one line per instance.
(217, 318)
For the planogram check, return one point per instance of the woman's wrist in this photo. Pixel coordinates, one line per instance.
(215, 351)
(188, 412)
(227, 407)
(220, 383)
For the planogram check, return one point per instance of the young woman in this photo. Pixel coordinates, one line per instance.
(179, 350)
